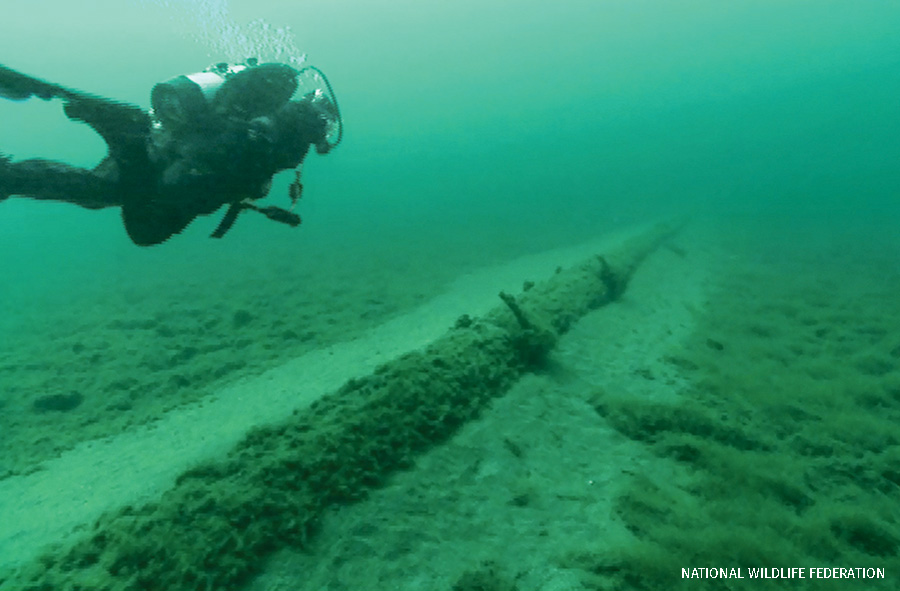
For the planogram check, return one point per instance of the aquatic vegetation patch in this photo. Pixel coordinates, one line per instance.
(785, 443)
(486, 578)
(58, 402)
(134, 352)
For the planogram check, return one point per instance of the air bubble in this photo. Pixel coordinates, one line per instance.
(226, 40)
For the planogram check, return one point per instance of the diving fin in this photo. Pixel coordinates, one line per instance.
(16, 86)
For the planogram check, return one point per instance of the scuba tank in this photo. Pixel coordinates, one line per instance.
(243, 91)
(183, 102)
(191, 100)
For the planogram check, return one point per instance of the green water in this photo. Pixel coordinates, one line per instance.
(547, 120)
(475, 132)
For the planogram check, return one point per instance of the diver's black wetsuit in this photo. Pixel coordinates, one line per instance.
(164, 176)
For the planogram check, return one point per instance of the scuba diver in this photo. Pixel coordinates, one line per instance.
(211, 139)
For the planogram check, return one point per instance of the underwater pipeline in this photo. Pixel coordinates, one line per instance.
(213, 528)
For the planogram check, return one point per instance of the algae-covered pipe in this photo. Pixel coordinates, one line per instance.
(214, 527)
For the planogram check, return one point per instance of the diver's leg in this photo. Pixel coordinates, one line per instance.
(5, 163)
(56, 181)
(125, 128)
